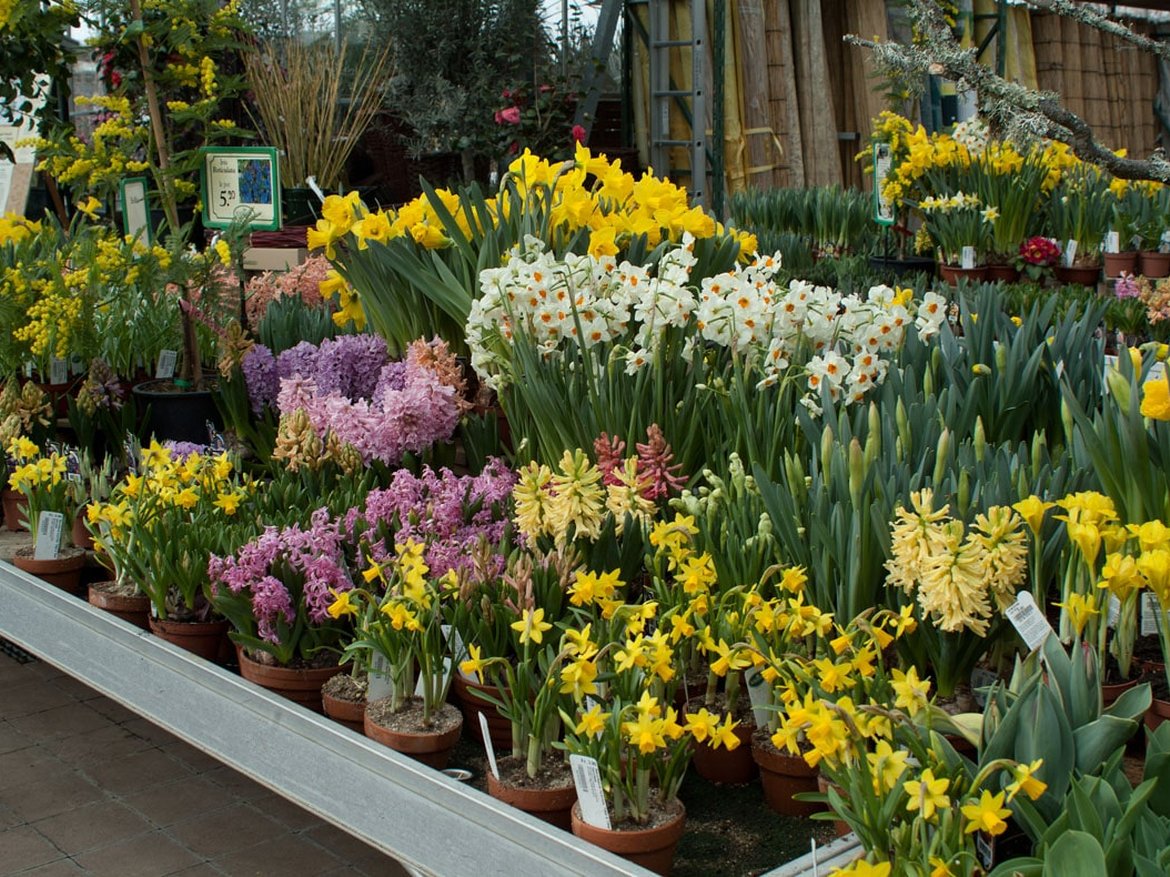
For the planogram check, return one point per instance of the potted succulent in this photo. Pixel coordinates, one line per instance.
(276, 591)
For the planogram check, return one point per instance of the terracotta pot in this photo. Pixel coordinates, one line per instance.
(463, 692)
(728, 766)
(1079, 274)
(428, 747)
(1118, 263)
(1110, 693)
(15, 505)
(1153, 264)
(823, 786)
(201, 638)
(1003, 273)
(551, 805)
(652, 848)
(783, 776)
(64, 572)
(1158, 713)
(81, 536)
(300, 685)
(952, 274)
(135, 609)
(351, 713)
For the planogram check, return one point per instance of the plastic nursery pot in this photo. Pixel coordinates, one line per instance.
(463, 695)
(132, 608)
(81, 535)
(63, 572)
(952, 274)
(14, 508)
(1003, 273)
(1079, 274)
(553, 805)
(1154, 264)
(430, 747)
(782, 776)
(175, 413)
(1158, 713)
(652, 848)
(1118, 263)
(201, 638)
(301, 685)
(351, 713)
(727, 766)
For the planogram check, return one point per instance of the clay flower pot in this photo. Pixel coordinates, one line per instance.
(553, 805)
(81, 535)
(952, 274)
(203, 639)
(1118, 263)
(652, 848)
(1158, 713)
(1082, 275)
(463, 694)
(727, 766)
(1002, 272)
(14, 508)
(783, 776)
(1153, 264)
(133, 608)
(301, 685)
(430, 747)
(64, 571)
(351, 713)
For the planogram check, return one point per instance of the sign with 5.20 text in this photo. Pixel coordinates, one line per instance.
(241, 184)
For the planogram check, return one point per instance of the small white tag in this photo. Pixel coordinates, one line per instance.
(1114, 611)
(967, 258)
(1059, 368)
(1166, 236)
(28, 370)
(587, 779)
(1070, 253)
(758, 692)
(1151, 609)
(1029, 621)
(488, 745)
(76, 366)
(985, 850)
(418, 686)
(58, 371)
(1112, 242)
(454, 642)
(166, 364)
(48, 541)
(379, 682)
(815, 857)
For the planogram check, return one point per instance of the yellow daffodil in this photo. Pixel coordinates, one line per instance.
(531, 626)
(927, 795)
(987, 814)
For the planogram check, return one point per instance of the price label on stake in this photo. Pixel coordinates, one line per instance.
(1112, 242)
(967, 258)
(1029, 621)
(166, 364)
(758, 692)
(587, 779)
(1150, 612)
(48, 543)
(488, 745)
(1070, 253)
(58, 371)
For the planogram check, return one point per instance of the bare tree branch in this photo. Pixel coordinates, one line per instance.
(1020, 112)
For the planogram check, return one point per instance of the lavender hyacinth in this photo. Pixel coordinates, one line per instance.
(350, 365)
(260, 377)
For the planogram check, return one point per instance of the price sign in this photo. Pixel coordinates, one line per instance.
(1029, 621)
(1150, 612)
(591, 797)
(379, 681)
(58, 371)
(48, 541)
(241, 184)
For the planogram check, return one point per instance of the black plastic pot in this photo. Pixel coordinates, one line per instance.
(176, 413)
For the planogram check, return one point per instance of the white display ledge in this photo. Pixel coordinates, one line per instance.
(429, 822)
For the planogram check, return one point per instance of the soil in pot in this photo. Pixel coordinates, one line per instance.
(64, 571)
(404, 731)
(343, 697)
(550, 795)
(299, 682)
(651, 845)
(123, 600)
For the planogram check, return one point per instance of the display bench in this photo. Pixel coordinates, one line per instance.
(431, 823)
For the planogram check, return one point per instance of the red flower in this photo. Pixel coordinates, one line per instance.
(578, 134)
(1039, 251)
(509, 116)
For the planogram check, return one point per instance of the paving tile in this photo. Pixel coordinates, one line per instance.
(148, 855)
(26, 765)
(62, 721)
(60, 868)
(109, 743)
(285, 855)
(112, 710)
(24, 848)
(226, 830)
(206, 869)
(10, 818)
(54, 793)
(42, 670)
(141, 770)
(236, 783)
(356, 853)
(174, 802)
(284, 811)
(11, 739)
(94, 825)
(196, 760)
(148, 730)
(75, 689)
(31, 697)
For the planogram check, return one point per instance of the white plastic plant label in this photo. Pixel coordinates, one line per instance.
(758, 693)
(1070, 253)
(379, 683)
(1112, 242)
(587, 779)
(76, 365)
(165, 368)
(48, 541)
(418, 686)
(1150, 612)
(1029, 621)
(967, 258)
(488, 745)
(28, 370)
(1114, 611)
(58, 371)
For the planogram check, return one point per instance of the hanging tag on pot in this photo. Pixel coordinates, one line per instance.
(967, 258)
(379, 681)
(58, 371)
(165, 368)
(1150, 612)
(488, 745)
(1112, 242)
(590, 797)
(758, 693)
(48, 541)
(1029, 621)
(1070, 253)
(1114, 611)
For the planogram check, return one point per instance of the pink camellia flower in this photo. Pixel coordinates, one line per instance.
(510, 116)
(578, 134)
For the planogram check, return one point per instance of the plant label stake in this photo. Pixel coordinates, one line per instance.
(816, 863)
(1070, 253)
(967, 258)
(165, 369)
(1150, 611)
(1112, 242)
(587, 779)
(48, 542)
(58, 371)
(488, 745)
(1029, 621)
(379, 680)
(758, 693)
(1114, 611)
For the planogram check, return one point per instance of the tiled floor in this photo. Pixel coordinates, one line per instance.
(87, 787)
